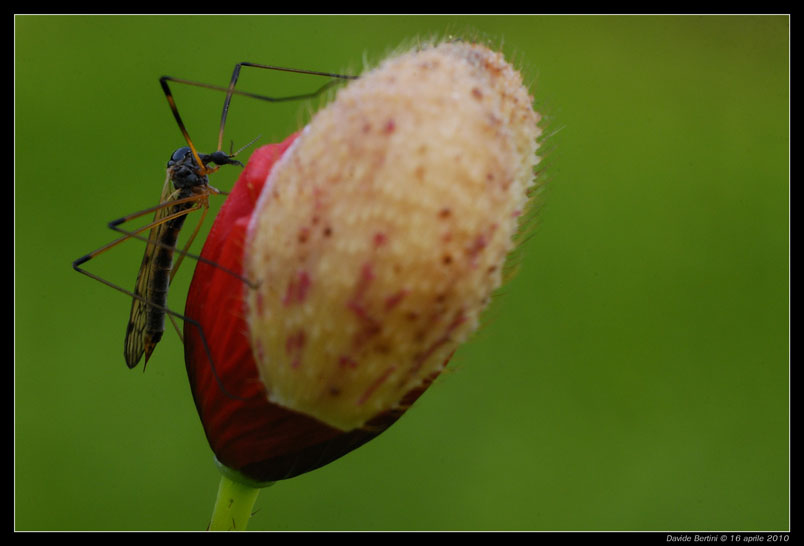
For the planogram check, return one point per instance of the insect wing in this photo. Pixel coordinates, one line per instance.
(138, 340)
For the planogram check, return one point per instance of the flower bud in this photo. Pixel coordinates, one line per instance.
(381, 234)
(254, 441)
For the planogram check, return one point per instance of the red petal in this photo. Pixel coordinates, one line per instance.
(246, 432)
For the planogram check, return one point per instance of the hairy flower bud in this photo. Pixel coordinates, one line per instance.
(254, 441)
(381, 234)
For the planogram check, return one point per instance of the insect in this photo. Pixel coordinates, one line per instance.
(186, 189)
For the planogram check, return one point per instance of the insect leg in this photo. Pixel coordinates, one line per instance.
(129, 234)
(137, 234)
(204, 170)
(230, 90)
(184, 252)
(236, 74)
(170, 312)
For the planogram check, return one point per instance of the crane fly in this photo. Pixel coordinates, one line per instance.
(185, 190)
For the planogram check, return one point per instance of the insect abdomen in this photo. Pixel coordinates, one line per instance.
(160, 279)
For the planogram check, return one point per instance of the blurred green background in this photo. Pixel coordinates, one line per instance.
(633, 376)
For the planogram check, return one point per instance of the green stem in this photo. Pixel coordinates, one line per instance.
(233, 505)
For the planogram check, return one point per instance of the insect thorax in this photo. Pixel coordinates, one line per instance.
(184, 170)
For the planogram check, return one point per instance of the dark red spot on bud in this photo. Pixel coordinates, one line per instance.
(347, 362)
(394, 299)
(380, 239)
(422, 357)
(294, 343)
(370, 326)
(375, 385)
(297, 289)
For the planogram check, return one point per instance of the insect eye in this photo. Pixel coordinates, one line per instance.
(178, 155)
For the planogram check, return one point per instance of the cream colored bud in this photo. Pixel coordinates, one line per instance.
(381, 234)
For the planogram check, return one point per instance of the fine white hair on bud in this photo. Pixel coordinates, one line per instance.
(381, 234)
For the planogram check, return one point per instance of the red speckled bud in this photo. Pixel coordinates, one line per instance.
(376, 241)
(260, 440)
(382, 233)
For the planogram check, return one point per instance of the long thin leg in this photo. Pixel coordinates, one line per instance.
(236, 74)
(137, 234)
(184, 252)
(201, 201)
(203, 169)
(163, 81)
(163, 204)
(170, 312)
